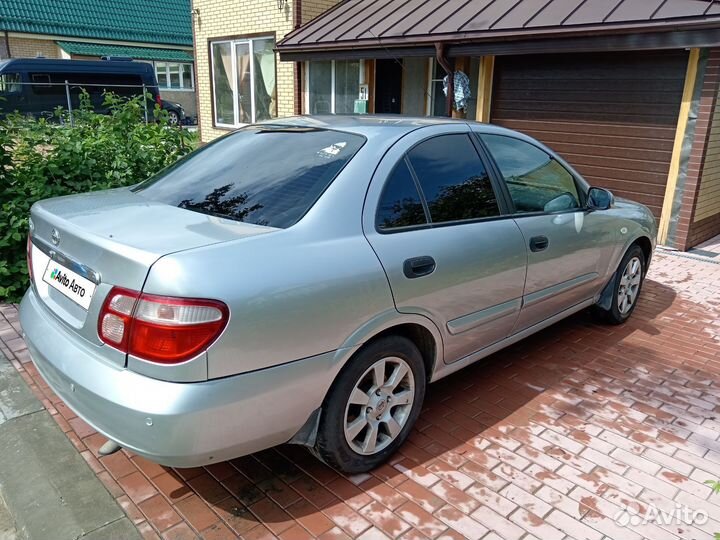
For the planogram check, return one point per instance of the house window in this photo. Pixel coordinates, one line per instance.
(333, 86)
(436, 100)
(243, 91)
(174, 76)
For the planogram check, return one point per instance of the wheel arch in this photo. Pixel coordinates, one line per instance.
(605, 298)
(418, 329)
(647, 248)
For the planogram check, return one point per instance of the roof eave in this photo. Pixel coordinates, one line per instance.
(685, 33)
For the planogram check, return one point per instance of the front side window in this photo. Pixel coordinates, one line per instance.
(263, 174)
(536, 181)
(333, 86)
(453, 179)
(244, 87)
(400, 204)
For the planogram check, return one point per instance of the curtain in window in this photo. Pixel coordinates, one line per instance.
(223, 83)
(265, 89)
(242, 53)
(320, 86)
(347, 85)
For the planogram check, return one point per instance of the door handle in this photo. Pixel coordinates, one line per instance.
(418, 267)
(539, 243)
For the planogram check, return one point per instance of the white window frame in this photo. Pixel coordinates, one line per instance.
(233, 55)
(183, 87)
(306, 84)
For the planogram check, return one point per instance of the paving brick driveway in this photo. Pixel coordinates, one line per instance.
(548, 439)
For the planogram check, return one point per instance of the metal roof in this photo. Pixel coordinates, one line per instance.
(137, 53)
(156, 21)
(373, 24)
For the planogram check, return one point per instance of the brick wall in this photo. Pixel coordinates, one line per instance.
(706, 219)
(30, 48)
(314, 8)
(700, 211)
(224, 18)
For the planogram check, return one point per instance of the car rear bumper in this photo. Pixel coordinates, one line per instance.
(175, 424)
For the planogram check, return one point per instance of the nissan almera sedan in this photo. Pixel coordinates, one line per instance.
(304, 280)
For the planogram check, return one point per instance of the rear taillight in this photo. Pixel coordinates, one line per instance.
(28, 256)
(158, 100)
(161, 329)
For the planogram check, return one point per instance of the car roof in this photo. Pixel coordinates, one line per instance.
(76, 66)
(370, 125)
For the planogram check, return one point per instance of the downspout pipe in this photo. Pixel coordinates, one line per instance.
(448, 66)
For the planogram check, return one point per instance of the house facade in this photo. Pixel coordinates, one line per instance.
(240, 79)
(159, 33)
(625, 90)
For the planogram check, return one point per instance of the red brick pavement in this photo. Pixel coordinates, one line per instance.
(548, 439)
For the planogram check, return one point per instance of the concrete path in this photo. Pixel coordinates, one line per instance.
(47, 490)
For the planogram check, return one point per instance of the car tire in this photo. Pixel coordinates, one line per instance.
(349, 424)
(626, 289)
(173, 118)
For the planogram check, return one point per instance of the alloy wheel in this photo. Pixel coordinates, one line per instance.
(379, 405)
(629, 285)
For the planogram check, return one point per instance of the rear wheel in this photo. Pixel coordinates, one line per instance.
(630, 275)
(372, 406)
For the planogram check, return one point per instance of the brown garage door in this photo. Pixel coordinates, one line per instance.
(612, 116)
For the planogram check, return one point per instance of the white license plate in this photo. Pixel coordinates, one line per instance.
(77, 288)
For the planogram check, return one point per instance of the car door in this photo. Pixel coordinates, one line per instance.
(437, 226)
(567, 246)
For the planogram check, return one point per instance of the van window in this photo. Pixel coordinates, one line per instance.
(10, 83)
(41, 79)
(42, 85)
(125, 85)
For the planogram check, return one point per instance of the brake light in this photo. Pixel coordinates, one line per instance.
(28, 256)
(158, 100)
(161, 329)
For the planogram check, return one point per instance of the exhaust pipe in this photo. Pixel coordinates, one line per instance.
(110, 447)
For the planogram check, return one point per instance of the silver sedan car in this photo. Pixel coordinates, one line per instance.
(304, 280)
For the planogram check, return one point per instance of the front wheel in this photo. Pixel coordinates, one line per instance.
(630, 275)
(373, 405)
(173, 118)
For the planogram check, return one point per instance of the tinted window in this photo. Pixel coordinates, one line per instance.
(267, 175)
(10, 83)
(536, 181)
(453, 179)
(400, 204)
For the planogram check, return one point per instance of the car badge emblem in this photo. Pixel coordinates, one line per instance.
(55, 237)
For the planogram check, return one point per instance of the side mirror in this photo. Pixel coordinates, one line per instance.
(599, 199)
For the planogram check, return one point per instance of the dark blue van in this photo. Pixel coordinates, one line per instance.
(36, 86)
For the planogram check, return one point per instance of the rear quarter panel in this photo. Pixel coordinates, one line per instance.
(290, 297)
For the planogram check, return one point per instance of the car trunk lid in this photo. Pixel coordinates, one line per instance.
(112, 238)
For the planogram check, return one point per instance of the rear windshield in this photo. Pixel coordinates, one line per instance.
(265, 174)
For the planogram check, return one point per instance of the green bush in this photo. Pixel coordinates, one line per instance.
(50, 157)
(715, 486)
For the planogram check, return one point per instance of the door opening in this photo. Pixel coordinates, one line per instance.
(388, 86)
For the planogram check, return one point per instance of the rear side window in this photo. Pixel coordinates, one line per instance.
(400, 204)
(266, 175)
(536, 181)
(453, 179)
